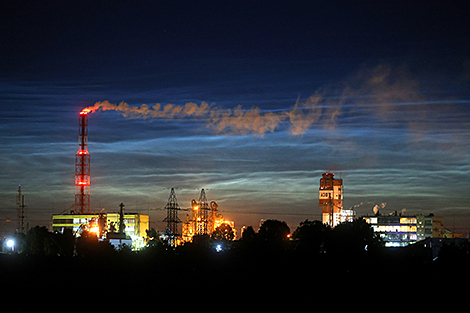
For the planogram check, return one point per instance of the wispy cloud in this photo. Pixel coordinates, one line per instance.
(390, 94)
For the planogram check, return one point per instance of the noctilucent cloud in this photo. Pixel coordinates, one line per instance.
(251, 101)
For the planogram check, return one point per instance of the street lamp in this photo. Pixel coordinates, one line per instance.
(11, 244)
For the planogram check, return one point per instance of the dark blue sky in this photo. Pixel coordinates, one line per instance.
(379, 92)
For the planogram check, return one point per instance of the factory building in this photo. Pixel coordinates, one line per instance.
(331, 201)
(101, 223)
(189, 227)
(401, 230)
(120, 227)
(204, 219)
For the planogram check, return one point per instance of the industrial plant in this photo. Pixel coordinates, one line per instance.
(118, 228)
(204, 220)
(130, 228)
(203, 217)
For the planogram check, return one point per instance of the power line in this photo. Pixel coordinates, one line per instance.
(267, 191)
(270, 213)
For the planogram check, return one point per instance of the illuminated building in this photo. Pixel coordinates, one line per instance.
(204, 220)
(400, 230)
(430, 226)
(135, 224)
(330, 201)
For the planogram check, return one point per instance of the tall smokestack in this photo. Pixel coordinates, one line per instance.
(82, 168)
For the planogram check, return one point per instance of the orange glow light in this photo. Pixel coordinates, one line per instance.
(85, 111)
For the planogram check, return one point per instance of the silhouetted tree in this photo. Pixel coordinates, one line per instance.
(352, 239)
(272, 237)
(274, 231)
(35, 239)
(455, 253)
(223, 232)
(88, 245)
(60, 244)
(52, 243)
(248, 235)
(310, 236)
(153, 239)
(67, 243)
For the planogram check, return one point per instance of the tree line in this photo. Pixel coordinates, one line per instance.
(351, 240)
(309, 237)
(40, 241)
(272, 260)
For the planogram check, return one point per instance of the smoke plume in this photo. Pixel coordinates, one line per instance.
(168, 111)
(224, 121)
(376, 207)
(380, 91)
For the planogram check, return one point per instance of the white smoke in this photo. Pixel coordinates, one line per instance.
(221, 120)
(378, 88)
(376, 207)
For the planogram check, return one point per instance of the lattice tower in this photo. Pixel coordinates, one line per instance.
(172, 219)
(202, 215)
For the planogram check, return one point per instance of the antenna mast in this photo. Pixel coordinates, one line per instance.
(21, 206)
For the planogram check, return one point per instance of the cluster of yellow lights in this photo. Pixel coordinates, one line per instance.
(94, 228)
(395, 228)
(407, 220)
(219, 222)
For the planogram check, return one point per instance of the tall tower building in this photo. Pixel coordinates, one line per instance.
(331, 200)
(82, 168)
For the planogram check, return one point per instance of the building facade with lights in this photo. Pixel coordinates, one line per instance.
(330, 201)
(401, 230)
(135, 224)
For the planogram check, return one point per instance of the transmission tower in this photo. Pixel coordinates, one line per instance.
(202, 215)
(21, 206)
(172, 219)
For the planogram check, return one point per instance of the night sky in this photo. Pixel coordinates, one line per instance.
(251, 100)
